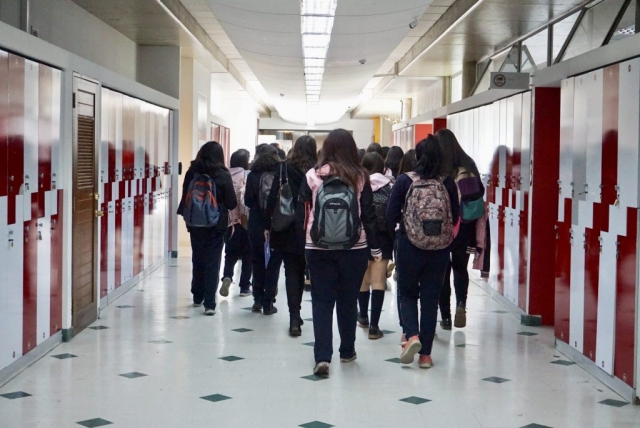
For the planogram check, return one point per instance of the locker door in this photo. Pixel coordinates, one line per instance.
(629, 111)
(85, 295)
(525, 144)
(566, 142)
(57, 196)
(105, 188)
(111, 246)
(563, 273)
(580, 138)
(495, 259)
(511, 255)
(606, 303)
(595, 95)
(576, 327)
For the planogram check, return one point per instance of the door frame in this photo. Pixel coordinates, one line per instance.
(86, 84)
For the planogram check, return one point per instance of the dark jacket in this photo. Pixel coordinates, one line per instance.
(226, 195)
(399, 194)
(292, 239)
(258, 219)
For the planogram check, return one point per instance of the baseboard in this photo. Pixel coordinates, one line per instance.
(18, 366)
(611, 382)
(132, 282)
(174, 254)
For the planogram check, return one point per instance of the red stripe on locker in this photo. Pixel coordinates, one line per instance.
(30, 275)
(118, 240)
(104, 236)
(4, 124)
(15, 168)
(56, 266)
(591, 282)
(626, 301)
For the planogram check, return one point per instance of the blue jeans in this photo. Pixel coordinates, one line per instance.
(420, 276)
(206, 252)
(336, 277)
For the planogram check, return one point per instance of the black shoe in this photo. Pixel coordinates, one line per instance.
(257, 307)
(270, 310)
(446, 324)
(363, 321)
(375, 333)
(294, 327)
(300, 320)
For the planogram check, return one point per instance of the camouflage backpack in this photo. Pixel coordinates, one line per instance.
(427, 214)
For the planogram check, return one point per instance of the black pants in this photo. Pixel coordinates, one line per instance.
(265, 280)
(336, 277)
(238, 247)
(420, 277)
(294, 270)
(395, 259)
(206, 249)
(459, 264)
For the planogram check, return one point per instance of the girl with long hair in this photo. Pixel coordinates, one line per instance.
(340, 235)
(420, 271)
(393, 159)
(206, 242)
(290, 242)
(375, 278)
(458, 164)
(265, 278)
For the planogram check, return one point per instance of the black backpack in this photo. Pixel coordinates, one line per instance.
(336, 221)
(380, 202)
(266, 181)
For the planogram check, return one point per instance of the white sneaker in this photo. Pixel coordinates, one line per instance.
(321, 369)
(209, 312)
(224, 289)
(197, 305)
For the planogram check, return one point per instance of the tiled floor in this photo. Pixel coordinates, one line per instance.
(161, 363)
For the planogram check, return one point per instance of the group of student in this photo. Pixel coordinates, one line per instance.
(340, 216)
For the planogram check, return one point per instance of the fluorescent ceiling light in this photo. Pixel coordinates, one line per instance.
(314, 70)
(316, 25)
(314, 52)
(314, 62)
(315, 40)
(318, 7)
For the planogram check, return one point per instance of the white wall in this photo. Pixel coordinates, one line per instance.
(362, 128)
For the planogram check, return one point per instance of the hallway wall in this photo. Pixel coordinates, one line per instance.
(31, 201)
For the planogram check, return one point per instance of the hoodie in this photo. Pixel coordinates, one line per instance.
(378, 181)
(307, 199)
(239, 178)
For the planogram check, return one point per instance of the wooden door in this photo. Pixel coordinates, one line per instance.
(85, 203)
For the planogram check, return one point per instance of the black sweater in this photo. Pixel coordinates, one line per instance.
(258, 219)
(290, 240)
(226, 195)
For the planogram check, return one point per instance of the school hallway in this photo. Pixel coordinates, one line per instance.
(152, 360)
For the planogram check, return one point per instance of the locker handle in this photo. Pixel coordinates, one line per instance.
(99, 213)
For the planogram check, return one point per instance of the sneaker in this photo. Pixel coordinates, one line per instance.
(460, 321)
(425, 362)
(197, 304)
(257, 307)
(403, 339)
(349, 359)
(321, 369)
(390, 267)
(224, 289)
(269, 311)
(209, 311)
(363, 321)
(410, 349)
(446, 324)
(294, 327)
(375, 333)
(395, 275)
(244, 293)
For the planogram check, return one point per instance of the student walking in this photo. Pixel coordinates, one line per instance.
(425, 203)
(265, 273)
(465, 173)
(375, 277)
(340, 226)
(207, 197)
(290, 241)
(237, 245)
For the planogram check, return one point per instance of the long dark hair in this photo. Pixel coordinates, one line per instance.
(375, 147)
(429, 155)
(373, 163)
(304, 154)
(393, 158)
(266, 160)
(240, 159)
(453, 155)
(340, 153)
(210, 159)
(408, 162)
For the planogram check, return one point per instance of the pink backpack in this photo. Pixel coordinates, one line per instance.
(239, 213)
(427, 214)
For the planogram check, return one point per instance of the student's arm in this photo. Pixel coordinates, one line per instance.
(396, 201)
(368, 219)
(230, 200)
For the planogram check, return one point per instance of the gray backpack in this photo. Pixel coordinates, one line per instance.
(336, 221)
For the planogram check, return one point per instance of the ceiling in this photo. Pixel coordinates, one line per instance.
(267, 36)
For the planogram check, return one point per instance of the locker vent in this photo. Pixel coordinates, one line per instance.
(85, 168)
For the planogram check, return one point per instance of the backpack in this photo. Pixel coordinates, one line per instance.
(380, 202)
(237, 214)
(336, 221)
(427, 214)
(201, 203)
(266, 181)
(471, 193)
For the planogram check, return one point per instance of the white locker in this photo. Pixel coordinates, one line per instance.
(111, 246)
(628, 114)
(147, 231)
(7, 243)
(580, 137)
(56, 146)
(605, 336)
(104, 139)
(525, 141)
(566, 143)
(494, 223)
(117, 100)
(576, 306)
(43, 281)
(511, 255)
(595, 96)
(502, 131)
(31, 107)
(13, 255)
